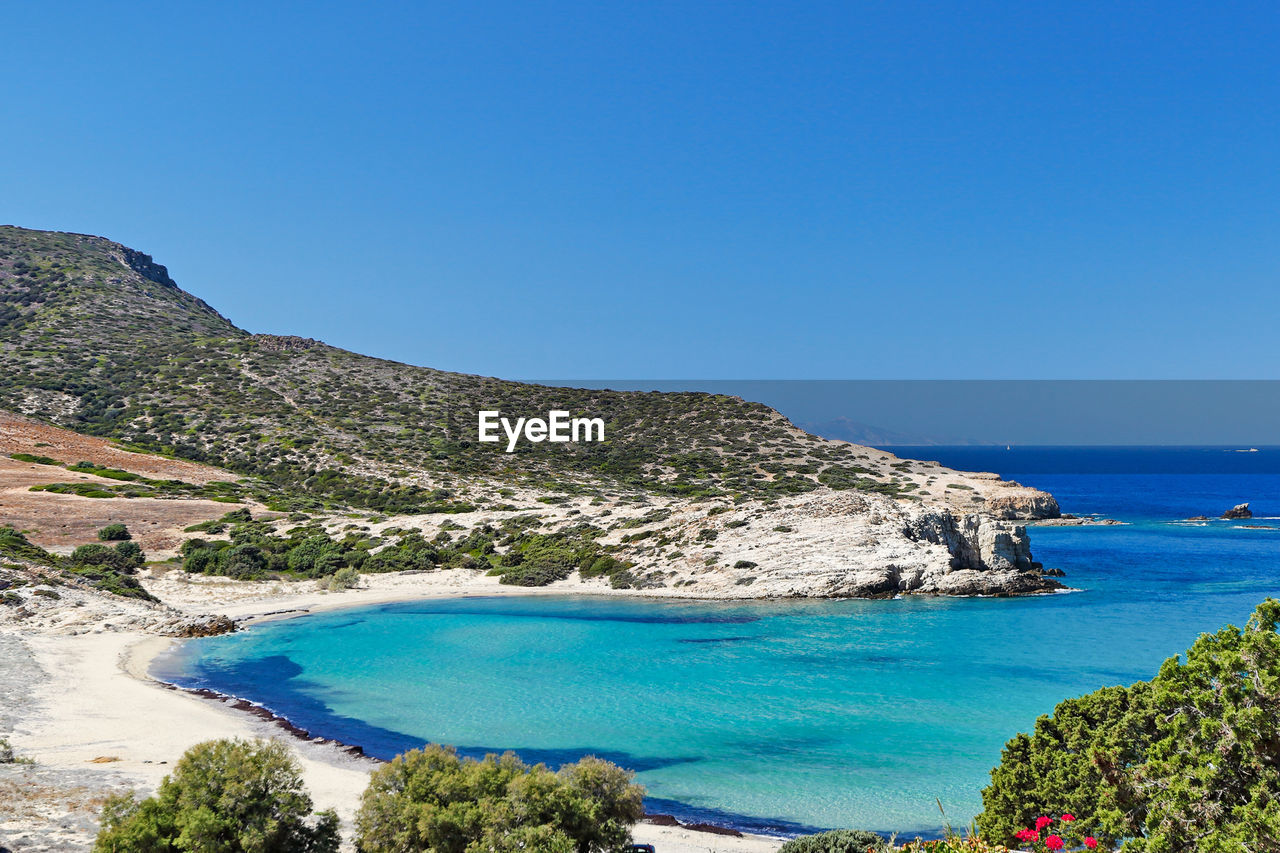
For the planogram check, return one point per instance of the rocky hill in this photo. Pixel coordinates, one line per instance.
(706, 494)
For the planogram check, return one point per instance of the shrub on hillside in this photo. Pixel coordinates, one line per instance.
(106, 568)
(224, 796)
(13, 543)
(132, 552)
(105, 557)
(114, 533)
(430, 799)
(1187, 762)
(37, 460)
(838, 841)
(244, 562)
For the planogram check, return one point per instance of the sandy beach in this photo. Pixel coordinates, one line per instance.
(97, 721)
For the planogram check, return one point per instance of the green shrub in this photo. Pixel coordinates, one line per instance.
(745, 564)
(838, 841)
(84, 490)
(105, 568)
(35, 460)
(114, 533)
(603, 565)
(211, 526)
(243, 562)
(199, 556)
(132, 552)
(15, 545)
(344, 578)
(1187, 762)
(109, 568)
(314, 556)
(430, 799)
(224, 796)
(101, 555)
(100, 471)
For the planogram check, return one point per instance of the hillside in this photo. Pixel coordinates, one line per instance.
(690, 494)
(97, 337)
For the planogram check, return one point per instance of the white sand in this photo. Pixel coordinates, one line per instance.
(98, 702)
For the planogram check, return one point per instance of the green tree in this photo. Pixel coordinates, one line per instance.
(224, 796)
(1187, 763)
(1212, 778)
(431, 800)
(1074, 762)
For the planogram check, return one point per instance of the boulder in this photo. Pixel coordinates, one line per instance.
(1238, 511)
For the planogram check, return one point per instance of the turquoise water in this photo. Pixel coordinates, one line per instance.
(779, 715)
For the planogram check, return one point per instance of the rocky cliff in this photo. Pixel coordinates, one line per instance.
(823, 545)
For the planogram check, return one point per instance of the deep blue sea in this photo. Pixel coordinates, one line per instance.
(786, 716)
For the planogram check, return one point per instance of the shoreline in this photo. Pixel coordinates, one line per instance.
(141, 655)
(97, 705)
(242, 705)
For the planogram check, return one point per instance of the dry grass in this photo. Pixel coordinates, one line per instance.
(61, 522)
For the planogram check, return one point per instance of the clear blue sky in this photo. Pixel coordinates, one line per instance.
(680, 189)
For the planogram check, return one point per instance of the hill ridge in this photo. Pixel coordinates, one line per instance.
(99, 337)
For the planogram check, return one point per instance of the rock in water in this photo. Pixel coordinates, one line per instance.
(1238, 511)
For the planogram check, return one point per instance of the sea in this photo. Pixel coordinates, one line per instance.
(785, 717)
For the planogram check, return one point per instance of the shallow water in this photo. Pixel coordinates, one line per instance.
(783, 715)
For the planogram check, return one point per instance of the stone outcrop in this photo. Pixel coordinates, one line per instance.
(285, 343)
(145, 266)
(1023, 504)
(203, 626)
(1238, 511)
(846, 544)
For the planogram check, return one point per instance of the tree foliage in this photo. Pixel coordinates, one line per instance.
(224, 796)
(1186, 763)
(432, 800)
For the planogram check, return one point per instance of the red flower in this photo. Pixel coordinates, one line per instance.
(1090, 842)
(1068, 817)
(1042, 822)
(1027, 835)
(1053, 842)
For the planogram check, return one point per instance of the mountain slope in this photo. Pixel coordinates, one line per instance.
(97, 337)
(695, 494)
